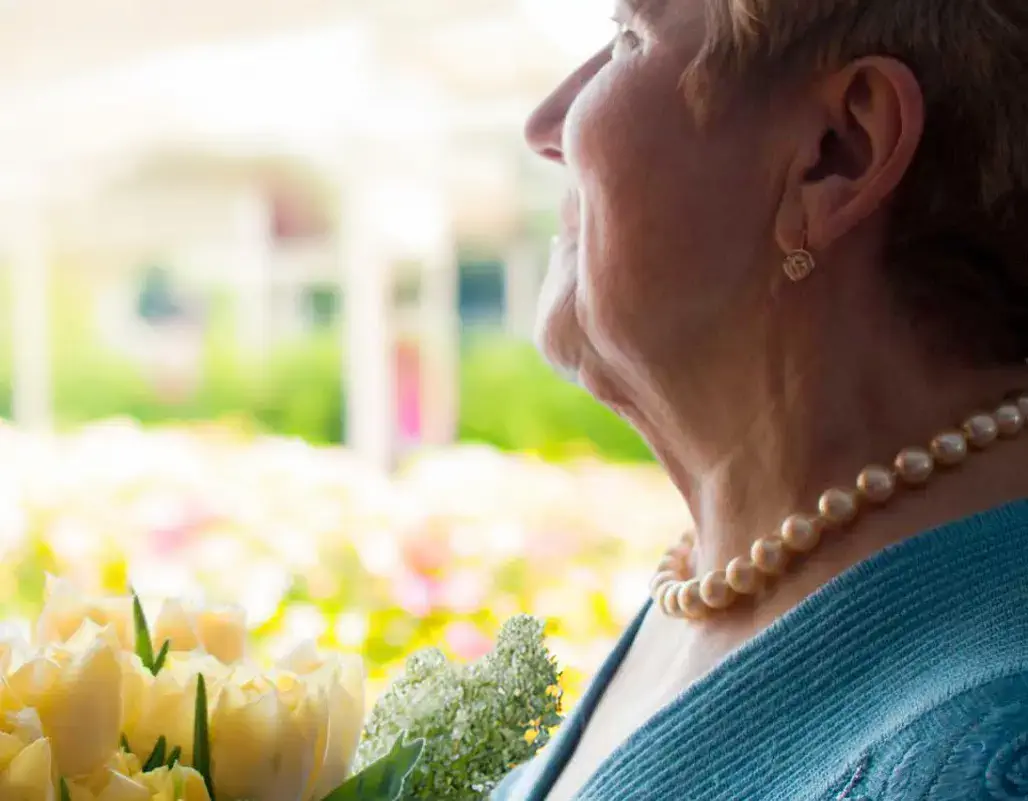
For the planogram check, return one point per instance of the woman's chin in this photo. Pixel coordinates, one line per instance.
(557, 334)
(562, 355)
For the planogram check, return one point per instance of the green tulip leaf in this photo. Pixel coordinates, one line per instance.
(158, 662)
(382, 780)
(157, 756)
(144, 645)
(201, 736)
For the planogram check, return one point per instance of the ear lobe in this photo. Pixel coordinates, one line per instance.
(873, 113)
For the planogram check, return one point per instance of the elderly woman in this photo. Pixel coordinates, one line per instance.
(796, 260)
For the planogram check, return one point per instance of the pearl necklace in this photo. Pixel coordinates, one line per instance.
(693, 598)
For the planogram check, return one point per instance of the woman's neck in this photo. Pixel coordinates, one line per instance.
(786, 435)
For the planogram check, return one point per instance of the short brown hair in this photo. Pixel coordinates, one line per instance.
(957, 247)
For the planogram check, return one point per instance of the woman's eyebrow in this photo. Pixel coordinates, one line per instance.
(648, 10)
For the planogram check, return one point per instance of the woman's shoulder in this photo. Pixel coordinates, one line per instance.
(974, 745)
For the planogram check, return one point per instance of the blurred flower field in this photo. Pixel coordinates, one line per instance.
(314, 544)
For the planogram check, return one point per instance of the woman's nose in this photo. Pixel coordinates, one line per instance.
(544, 130)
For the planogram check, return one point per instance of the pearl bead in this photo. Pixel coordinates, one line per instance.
(838, 506)
(715, 590)
(949, 448)
(690, 602)
(769, 555)
(743, 576)
(914, 465)
(981, 430)
(876, 483)
(800, 533)
(659, 580)
(667, 598)
(1010, 420)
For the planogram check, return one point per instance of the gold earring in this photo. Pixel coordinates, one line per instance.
(799, 264)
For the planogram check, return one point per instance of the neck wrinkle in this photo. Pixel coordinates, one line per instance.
(742, 467)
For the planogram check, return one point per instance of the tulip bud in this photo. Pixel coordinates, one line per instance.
(265, 740)
(340, 680)
(220, 632)
(66, 609)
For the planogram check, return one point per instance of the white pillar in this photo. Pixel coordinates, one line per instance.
(255, 248)
(440, 344)
(368, 337)
(30, 282)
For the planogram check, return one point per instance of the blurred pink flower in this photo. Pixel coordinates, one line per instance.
(553, 548)
(465, 591)
(168, 540)
(415, 594)
(427, 551)
(466, 641)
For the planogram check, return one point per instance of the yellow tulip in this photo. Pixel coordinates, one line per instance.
(76, 690)
(22, 723)
(109, 786)
(28, 775)
(267, 738)
(164, 784)
(14, 650)
(220, 632)
(125, 763)
(66, 609)
(175, 784)
(340, 679)
(164, 705)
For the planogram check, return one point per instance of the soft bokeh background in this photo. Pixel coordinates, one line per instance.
(267, 284)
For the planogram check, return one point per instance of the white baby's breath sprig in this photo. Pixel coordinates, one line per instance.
(478, 721)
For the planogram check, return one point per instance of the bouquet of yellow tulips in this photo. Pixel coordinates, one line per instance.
(94, 712)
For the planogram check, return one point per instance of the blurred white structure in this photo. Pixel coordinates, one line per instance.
(398, 106)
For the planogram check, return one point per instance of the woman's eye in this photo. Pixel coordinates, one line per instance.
(626, 39)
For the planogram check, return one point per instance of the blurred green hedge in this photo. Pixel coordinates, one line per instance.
(509, 398)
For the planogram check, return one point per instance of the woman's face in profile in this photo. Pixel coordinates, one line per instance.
(668, 223)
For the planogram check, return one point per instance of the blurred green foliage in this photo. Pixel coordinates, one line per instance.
(509, 398)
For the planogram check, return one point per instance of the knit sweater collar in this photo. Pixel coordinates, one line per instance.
(872, 649)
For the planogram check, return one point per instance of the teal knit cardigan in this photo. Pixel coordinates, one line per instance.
(904, 679)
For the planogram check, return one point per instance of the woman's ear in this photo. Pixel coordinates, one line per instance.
(856, 146)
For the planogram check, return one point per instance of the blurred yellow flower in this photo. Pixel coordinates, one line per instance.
(66, 608)
(220, 632)
(75, 689)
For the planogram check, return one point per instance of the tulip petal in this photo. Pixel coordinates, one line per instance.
(122, 788)
(29, 776)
